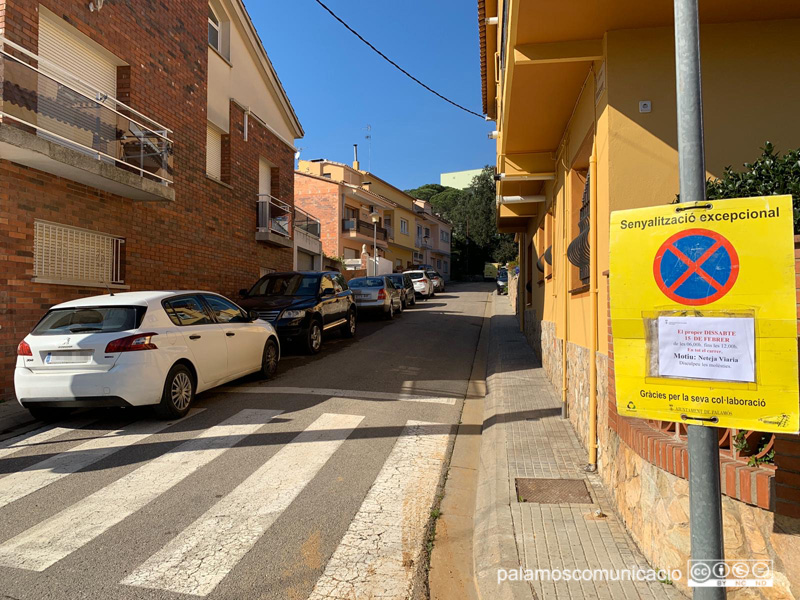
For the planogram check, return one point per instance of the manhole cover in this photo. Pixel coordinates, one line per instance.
(553, 491)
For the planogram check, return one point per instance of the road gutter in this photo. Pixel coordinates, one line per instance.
(451, 575)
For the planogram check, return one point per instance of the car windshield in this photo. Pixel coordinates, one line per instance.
(90, 319)
(416, 275)
(366, 282)
(431, 274)
(292, 284)
(397, 280)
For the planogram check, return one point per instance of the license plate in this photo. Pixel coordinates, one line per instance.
(362, 296)
(68, 358)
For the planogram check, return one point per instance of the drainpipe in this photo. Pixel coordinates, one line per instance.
(565, 277)
(592, 466)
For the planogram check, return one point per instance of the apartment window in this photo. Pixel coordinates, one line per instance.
(444, 236)
(419, 231)
(438, 263)
(403, 226)
(70, 255)
(214, 29)
(213, 152)
(446, 267)
(264, 177)
(427, 232)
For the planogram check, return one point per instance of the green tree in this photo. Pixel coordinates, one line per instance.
(471, 212)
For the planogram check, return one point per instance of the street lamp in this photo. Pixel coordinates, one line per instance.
(375, 218)
(425, 241)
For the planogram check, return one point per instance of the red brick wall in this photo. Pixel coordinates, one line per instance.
(321, 199)
(206, 237)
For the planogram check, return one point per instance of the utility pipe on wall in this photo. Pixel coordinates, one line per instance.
(593, 317)
(565, 277)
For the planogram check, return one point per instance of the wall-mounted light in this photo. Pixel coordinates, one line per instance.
(531, 177)
(95, 5)
(494, 135)
(492, 20)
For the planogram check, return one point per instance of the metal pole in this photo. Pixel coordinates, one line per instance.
(375, 249)
(705, 497)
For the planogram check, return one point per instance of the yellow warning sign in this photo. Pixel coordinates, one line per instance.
(704, 313)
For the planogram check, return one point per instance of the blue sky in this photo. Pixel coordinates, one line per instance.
(338, 86)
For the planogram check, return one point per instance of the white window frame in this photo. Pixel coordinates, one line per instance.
(216, 27)
(404, 226)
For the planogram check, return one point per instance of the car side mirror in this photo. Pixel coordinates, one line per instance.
(252, 314)
(243, 293)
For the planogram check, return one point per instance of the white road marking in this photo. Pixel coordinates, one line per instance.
(21, 483)
(402, 397)
(378, 555)
(40, 436)
(204, 553)
(55, 538)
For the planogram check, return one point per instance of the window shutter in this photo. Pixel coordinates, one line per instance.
(213, 152)
(69, 50)
(73, 255)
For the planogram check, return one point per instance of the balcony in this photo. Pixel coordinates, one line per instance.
(307, 231)
(357, 228)
(421, 243)
(61, 125)
(274, 221)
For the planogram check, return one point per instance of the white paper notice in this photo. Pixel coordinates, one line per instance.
(716, 348)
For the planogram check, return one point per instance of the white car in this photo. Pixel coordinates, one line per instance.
(423, 286)
(139, 348)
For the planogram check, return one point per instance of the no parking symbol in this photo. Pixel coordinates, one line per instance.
(696, 267)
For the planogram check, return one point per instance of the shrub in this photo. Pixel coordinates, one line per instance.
(771, 174)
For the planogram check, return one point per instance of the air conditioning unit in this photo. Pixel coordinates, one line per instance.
(348, 224)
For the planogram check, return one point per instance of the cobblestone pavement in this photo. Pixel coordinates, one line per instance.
(542, 445)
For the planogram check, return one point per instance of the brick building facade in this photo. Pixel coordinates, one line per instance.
(197, 232)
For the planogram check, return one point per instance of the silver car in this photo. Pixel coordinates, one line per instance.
(438, 280)
(377, 294)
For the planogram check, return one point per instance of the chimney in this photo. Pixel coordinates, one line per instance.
(355, 157)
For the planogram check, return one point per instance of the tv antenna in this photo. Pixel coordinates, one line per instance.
(368, 137)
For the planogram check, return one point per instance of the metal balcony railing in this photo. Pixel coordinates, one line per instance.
(307, 223)
(423, 244)
(363, 228)
(274, 215)
(64, 109)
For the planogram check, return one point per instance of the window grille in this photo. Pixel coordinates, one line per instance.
(578, 250)
(72, 255)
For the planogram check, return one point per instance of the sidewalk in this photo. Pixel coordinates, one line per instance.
(524, 436)
(14, 419)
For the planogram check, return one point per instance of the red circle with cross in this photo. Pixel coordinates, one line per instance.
(695, 267)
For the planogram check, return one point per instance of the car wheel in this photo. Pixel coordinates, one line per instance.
(314, 337)
(269, 362)
(389, 314)
(349, 328)
(178, 393)
(48, 414)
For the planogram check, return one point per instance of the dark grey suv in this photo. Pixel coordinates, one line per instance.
(301, 305)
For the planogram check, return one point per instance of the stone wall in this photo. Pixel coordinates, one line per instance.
(654, 505)
(551, 354)
(578, 390)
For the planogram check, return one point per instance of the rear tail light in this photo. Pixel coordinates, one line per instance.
(24, 349)
(381, 294)
(132, 343)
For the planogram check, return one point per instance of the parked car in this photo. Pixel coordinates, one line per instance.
(405, 284)
(423, 286)
(438, 280)
(303, 305)
(139, 348)
(502, 282)
(377, 294)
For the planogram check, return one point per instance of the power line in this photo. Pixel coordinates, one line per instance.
(395, 65)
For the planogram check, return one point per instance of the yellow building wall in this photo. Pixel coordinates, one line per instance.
(747, 100)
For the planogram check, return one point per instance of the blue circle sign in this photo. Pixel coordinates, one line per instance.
(696, 267)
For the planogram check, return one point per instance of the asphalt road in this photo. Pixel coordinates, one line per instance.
(317, 484)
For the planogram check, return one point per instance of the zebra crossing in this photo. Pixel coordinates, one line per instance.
(375, 556)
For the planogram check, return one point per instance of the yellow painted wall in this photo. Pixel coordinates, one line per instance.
(749, 98)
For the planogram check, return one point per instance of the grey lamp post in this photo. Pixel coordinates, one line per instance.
(375, 218)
